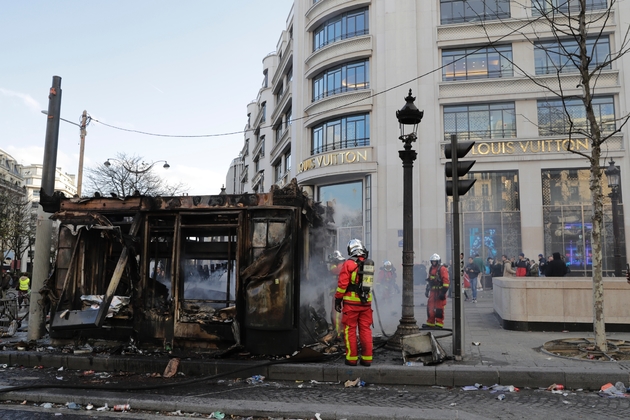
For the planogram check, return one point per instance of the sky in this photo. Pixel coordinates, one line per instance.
(184, 68)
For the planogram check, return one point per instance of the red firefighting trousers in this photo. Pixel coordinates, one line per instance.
(357, 316)
(435, 309)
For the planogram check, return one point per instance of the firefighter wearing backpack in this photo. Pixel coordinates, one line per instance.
(354, 300)
(437, 287)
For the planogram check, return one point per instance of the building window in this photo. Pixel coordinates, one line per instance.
(277, 171)
(552, 57)
(558, 117)
(347, 25)
(279, 93)
(492, 221)
(261, 152)
(290, 74)
(476, 63)
(347, 77)
(564, 6)
(341, 133)
(288, 120)
(263, 111)
(256, 165)
(457, 11)
(480, 121)
(265, 81)
(567, 213)
(347, 202)
(279, 132)
(287, 162)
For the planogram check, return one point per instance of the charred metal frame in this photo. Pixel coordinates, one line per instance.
(117, 247)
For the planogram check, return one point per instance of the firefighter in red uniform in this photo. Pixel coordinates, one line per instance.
(354, 290)
(387, 282)
(335, 262)
(437, 287)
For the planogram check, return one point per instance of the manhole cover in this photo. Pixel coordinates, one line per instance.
(585, 349)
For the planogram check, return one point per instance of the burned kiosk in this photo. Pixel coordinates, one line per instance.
(187, 271)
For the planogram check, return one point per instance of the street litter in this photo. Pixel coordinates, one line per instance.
(501, 397)
(474, 387)
(122, 407)
(177, 413)
(73, 406)
(504, 388)
(89, 406)
(103, 408)
(60, 369)
(614, 391)
(47, 405)
(357, 382)
(171, 368)
(555, 387)
(256, 379)
(476, 343)
(60, 378)
(217, 415)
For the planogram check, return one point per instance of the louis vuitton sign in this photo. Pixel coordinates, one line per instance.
(529, 146)
(342, 157)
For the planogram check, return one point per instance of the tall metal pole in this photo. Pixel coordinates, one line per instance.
(614, 195)
(41, 265)
(458, 305)
(408, 324)
(81, 152)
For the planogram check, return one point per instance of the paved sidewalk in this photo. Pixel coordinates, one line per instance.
(502, 357)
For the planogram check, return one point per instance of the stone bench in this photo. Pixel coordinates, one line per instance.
(559, 303)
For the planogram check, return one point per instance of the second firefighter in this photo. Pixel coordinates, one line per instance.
(437, 287)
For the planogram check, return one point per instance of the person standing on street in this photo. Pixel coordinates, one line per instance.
(508, 271)
(521, 266)
(353, 300)
(24, 287)
(437, 286)
(556, 267)
(473, 272)
(479, 263)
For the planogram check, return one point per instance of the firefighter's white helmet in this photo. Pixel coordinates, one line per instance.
(337, 256)
(435, 257)
(387, 265)
(356, 248)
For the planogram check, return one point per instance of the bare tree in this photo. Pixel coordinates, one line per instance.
(570, 39)
(17, 226)
(129, 175)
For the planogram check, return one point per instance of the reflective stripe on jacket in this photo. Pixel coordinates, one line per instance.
(24, 283)
(348, 277)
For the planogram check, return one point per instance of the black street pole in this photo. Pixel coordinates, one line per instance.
(614, 195)
(41, 264)
(409, 115)
(458, 308)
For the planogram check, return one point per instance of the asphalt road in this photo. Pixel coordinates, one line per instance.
(308, 398)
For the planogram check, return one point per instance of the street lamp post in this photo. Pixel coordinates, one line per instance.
(408, 117)
(146, 167)
(85, 120)
(614, 182)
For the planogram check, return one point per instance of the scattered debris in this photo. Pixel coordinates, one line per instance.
(501, 397)
(555, 387)
(356, 383)
(171, 368)
(217, 415)
(73, 406)
(122, 407)
(618, 390)
(504, 388)
(476, 343)
(256, 379)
